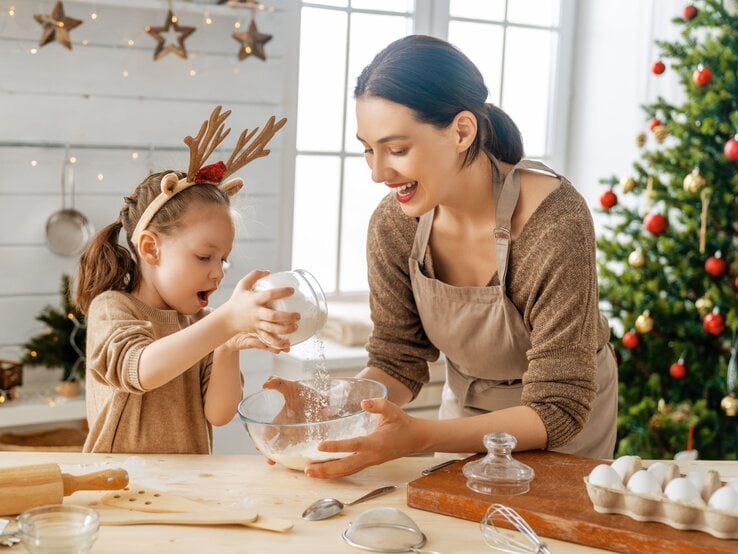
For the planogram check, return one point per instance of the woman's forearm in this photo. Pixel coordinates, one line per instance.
(397, 392)
(466, 434)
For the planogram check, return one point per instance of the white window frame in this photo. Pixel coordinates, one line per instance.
(432, 17)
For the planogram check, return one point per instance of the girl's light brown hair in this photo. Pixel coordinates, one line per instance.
(108, 265)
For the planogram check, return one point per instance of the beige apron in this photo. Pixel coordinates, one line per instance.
(484, 338)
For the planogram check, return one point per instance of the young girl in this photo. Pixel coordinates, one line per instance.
(161, 367)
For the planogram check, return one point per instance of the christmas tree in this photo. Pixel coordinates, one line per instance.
(62, 344)
(669, 253)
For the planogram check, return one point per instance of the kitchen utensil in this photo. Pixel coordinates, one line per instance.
(288, 429)
(431, 469)
(133, 517)
(385, 530)
(26, 487)
(67, 230)
(308, 300)
(328, 507)
(142, 499)
(498, 473)
(505, 541)
(58, 529)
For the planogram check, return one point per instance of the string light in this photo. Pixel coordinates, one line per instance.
(11, 11)
(85, 42)
(125, 73)
(193, 72)
(100, 176)
(131, 42)
(237, 24)
(93, 16)
(34, 163)
(134, 155)
(72, 160)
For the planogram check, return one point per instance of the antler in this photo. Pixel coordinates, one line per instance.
(212, 133)
(242, 156)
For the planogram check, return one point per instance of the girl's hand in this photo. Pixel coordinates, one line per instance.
(243, 341)
(250, 312)
(397, 435)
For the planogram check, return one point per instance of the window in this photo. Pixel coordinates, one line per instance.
(516, 44)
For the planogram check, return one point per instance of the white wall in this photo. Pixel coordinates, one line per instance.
(59, 97)
(613, 51)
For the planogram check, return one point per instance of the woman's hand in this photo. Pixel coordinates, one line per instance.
(250, 311)
(397, 435)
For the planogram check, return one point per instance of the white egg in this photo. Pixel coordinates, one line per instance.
(698, 478)
(643, 482)
(604, 476)
(658, 470)
(681, 489)
(725, 498)
(623, 465)
(733, 483)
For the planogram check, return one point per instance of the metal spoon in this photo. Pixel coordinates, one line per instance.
(328, 507)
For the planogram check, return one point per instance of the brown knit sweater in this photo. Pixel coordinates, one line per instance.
(552, 280)
(123, 417)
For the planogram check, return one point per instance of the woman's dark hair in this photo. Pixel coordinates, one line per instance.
(437, 81)
(106, 264)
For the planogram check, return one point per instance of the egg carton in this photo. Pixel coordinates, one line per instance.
(692, 515)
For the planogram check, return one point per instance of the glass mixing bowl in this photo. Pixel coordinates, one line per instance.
(287, 429)
(58, 529)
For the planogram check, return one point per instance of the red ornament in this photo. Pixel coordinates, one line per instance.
(714, 323)
(735, 283)
(678, 370)
(655, 223)
(608, 199)
(658, 67)
(631, 340)
(731, 149)
(689, 12)
(212, 173)
(702, 76)
(654, 122)
(716, 266)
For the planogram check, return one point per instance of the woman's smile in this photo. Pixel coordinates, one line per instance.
(404, 192)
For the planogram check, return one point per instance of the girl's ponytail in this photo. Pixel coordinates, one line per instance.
(104, 265)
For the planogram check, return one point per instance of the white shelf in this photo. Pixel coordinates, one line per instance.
(38, 403)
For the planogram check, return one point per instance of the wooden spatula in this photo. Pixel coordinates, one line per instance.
(142, 499)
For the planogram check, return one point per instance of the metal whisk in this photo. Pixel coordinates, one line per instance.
(497, 537)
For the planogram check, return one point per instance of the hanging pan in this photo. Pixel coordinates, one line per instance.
(67, 230)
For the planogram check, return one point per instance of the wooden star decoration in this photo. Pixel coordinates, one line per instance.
(252, 42)
(56, 26)
(182, 32)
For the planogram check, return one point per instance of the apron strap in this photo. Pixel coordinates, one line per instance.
(422, 235)
(507, 200)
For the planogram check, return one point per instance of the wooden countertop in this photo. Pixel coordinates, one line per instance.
(273, 491)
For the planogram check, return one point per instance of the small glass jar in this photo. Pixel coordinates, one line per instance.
(308, 300)
(58, 529)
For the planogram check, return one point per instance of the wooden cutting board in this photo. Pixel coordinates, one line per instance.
(558, 506)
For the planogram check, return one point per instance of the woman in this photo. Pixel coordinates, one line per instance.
(480, 255)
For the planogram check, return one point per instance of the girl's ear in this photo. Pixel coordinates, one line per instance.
(465, 130)
(148, 247)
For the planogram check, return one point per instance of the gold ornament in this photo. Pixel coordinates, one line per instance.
(704, 306)
(252, 42)
(162, 48)
(628, 184)
(636, 258)
(693, 182)
(641, 139)
(644, 323)
(729, 404)
(660, 133)
(56, 26)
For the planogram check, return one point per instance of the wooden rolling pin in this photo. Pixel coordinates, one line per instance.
(26, 487)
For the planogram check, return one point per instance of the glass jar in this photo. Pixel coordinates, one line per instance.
(308, 300)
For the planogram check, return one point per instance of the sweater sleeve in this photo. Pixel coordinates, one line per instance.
(116, 337)
(563, 315)
(398, 344)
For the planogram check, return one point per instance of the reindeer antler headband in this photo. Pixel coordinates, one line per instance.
(212, 133)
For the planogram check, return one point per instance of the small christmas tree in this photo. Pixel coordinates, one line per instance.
(669, 255)
(63, 343)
